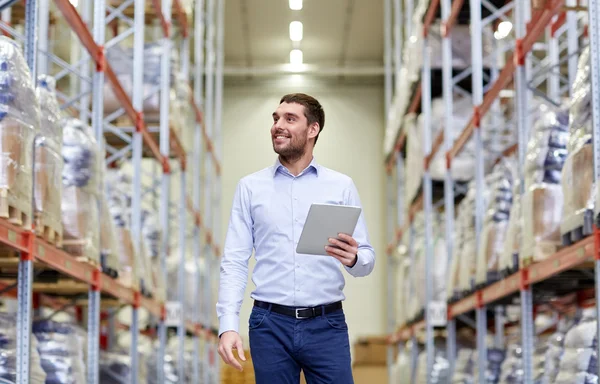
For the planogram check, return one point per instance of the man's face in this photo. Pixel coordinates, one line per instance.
(290, 132)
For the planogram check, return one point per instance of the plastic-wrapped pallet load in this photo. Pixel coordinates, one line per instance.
(543, 199)
(578, 176)
(19, 123)
(414, 159)
(109, 253)
(81, 177)
(61, 351)
(440, 369)
(453, 283)
(579, 361)
(48, 164)
(121, 61)
(8, 352)
(509, 260)
(464, 366)
(495, 225)
(555, 350)
(468, 257)
(118, 205)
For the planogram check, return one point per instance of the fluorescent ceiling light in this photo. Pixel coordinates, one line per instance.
(296, 31)
(295, 5)
(296, 57)
(504, 29)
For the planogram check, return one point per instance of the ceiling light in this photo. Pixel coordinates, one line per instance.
(296, 57)
(504, 29)
(295, 5)
(296, 31)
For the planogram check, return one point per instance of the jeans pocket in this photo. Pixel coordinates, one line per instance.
(256, 318)
(337, 320)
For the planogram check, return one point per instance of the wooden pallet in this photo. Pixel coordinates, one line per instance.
(14, 215)
(78, 249)
(47, 231)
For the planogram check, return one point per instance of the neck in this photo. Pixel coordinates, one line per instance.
(298, 164)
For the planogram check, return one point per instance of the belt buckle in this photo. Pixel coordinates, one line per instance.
(298, 316)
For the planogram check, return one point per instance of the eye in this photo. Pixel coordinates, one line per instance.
(290, 119)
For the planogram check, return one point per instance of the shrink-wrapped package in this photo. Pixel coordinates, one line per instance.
(8, 352)
(468, 250)
(414, 159)
(191, 298)
(19, 123)
(542, 203)
(579, 360)
(115, 367)
(48, 163)
(438, 262)
(61, 348)
(578, 177)
(121, 61)
(81, 178)
(509, 260)
(495, 224)
(108, 240)
(464, 366)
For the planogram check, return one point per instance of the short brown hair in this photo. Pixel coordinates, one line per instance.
(312, 108)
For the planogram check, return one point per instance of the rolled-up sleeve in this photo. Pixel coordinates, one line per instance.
(366, 253)
(234, 262)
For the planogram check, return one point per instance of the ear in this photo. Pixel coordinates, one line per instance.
(313, 130)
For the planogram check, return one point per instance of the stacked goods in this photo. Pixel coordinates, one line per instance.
(438, 264)
(543, 199)
(495, 225)
(81, 177)
(512, 367)
(109, 253)
(121, 61)
(464, 366)
(19, 123)
(152, 238)
(115, 367)
(554, 351)
(48, 164)
(183, 115)
(579, 362)
(117, 185)
(467, 253)
(61, 349)
(8, 353)
(440, 369)
(577, 176)
(509, 259)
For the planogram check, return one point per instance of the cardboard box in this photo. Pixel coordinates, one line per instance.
(370, 351)
(370, 374)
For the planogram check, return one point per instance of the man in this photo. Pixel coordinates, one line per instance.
(297, 322)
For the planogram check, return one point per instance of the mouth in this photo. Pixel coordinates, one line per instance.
(280, 139)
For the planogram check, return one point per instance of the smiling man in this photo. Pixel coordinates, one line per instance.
(297, 322)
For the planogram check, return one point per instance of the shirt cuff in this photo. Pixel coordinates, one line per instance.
(358, 267)
(229, 323)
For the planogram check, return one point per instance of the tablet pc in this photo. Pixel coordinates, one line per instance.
(326, 221)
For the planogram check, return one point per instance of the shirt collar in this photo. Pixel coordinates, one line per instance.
(313, 164)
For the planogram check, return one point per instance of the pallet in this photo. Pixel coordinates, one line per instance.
(46, 231)
(583, 229)
(14, 215)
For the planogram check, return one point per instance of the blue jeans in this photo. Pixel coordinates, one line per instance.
(281, 346)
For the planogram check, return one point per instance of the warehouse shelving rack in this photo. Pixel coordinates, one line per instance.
(553, 27)
(162, 144)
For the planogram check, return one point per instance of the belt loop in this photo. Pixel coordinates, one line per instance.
(270, 307)
(323, 310)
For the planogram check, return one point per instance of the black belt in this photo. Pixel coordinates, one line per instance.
(300, 312)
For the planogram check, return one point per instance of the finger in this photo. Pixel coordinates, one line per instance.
(345, 261)
(223, 354)
(340, 244)
(232, 360)
(349, 239)
(240, 349)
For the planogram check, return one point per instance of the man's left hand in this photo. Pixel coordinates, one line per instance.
(347, 253)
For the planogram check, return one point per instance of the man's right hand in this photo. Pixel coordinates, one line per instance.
(229, 341)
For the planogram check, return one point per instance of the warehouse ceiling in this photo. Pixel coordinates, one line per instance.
(336, 33)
